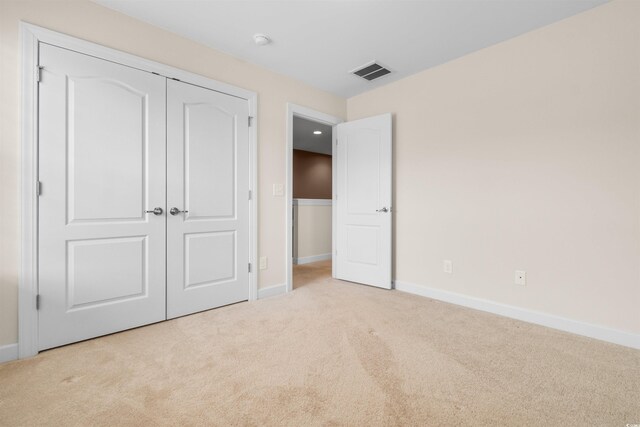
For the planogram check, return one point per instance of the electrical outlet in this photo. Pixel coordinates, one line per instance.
(263, 263)
(447, 266)
(278, 190)
(521, 277)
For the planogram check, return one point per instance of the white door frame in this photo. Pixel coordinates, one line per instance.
(316, 116)
(31, 37)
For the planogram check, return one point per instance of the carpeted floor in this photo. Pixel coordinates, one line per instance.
(329, 353)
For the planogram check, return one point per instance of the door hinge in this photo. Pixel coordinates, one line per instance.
(249, 267)
(249, 194)
(39, 73)
(38, 302)
(250, 121)
(39, 188)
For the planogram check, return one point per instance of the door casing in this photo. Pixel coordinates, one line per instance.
(31, 38)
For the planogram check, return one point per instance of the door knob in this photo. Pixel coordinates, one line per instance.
(176, 211)
(155, 211)
(382, 210)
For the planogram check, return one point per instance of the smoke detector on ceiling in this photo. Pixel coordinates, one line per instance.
(261, 39)
(371, 71)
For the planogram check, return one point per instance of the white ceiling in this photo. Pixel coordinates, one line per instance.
(304, 138)
(319, 42)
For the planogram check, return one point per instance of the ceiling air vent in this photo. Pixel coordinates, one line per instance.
(370, 71)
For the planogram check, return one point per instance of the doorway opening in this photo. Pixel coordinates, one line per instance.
(312, 200)
(310, 195)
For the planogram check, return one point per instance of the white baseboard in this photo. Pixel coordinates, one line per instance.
(272, 291)
(8, 352)
(313, 258)
(602, 333)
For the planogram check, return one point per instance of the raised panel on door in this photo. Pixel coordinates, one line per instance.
(210, 151)
(106, 149)
(363, 226)
(101, 164)
(208, 182)
(106, 270)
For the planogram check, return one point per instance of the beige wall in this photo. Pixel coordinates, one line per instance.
(525, 155)
(312, 231)
(100, 25)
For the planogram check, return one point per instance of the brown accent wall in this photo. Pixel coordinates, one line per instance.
(311, 175)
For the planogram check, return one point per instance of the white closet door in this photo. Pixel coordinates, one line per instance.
(208, 182)
(364, 201)
(101, 165)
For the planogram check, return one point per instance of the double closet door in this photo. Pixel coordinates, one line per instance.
(143, 209)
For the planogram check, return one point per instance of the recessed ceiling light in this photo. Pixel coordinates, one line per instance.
(261, 39)
(317, 132)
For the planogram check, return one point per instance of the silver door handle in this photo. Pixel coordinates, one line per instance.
(176, 211)
(382, 210)
(155, 211)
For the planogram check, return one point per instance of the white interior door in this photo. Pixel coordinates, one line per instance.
(101, 165)
(364, 183)
(208, 189)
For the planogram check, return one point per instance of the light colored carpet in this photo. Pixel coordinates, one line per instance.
(329, 353)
